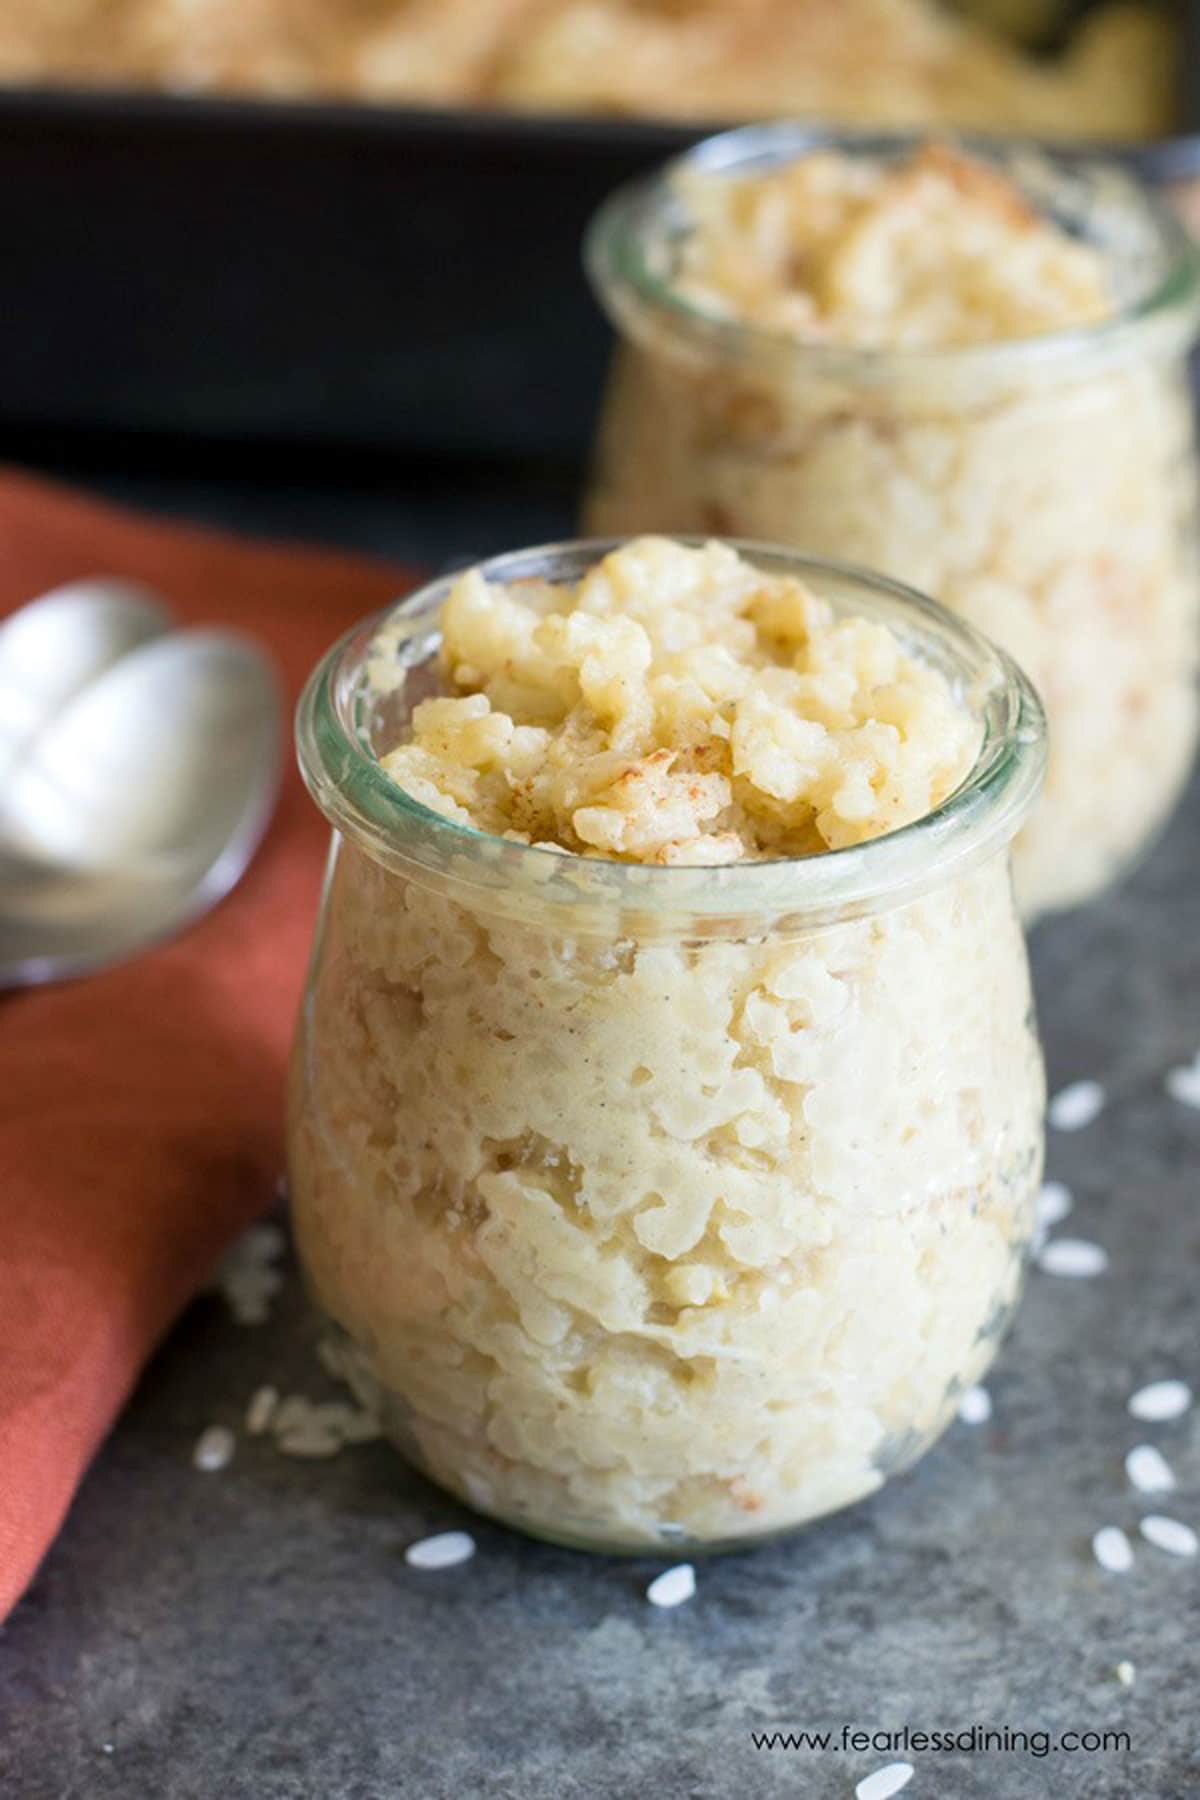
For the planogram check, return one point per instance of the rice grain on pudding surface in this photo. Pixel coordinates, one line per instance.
(678, 706)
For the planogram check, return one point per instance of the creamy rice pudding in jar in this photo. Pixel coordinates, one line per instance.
(969, 373)
(666, 1112)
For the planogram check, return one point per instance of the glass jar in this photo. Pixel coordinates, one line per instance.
(1044, 488)
(663, 1206)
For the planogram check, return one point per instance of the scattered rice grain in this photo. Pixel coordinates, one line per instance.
(320, 1428)
(1171, 1535)
(1161, 1401)
(884, 1782)
(1113, 1550)
(1183, 1084)
(1074, 1258)
(1054, 1203)
(1149, 1470)
(263, 1242)
(290, 1413)
(311, 1440)
(443, 1551)
(263, 1402)
(975, 1407)
(1075, 1106)
(245, 1276)
(673, 1586)
(214, 1448)
(1126, 1674)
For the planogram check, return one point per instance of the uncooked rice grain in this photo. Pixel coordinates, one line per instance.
(884, 1782)
(1148, 1470)
(1183, 1084)
(1161, 1401)
(1074, 1258)
(259, 1413)
(290, 1412)
(975, 1407)
(1171, 1535)
(673, 1586)
(214, 1448)
(1112, 1550)
(311, 1440)
(1054, 1203)
(443, 1551)
(1075, 1106)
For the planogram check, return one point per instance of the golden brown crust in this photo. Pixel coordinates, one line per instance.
(679, 707)
(935, 248)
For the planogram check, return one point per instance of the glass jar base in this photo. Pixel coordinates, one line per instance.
(669, 1539)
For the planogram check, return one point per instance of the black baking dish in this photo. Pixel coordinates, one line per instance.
(339, 275)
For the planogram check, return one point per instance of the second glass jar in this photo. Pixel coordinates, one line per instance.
(1044, 488)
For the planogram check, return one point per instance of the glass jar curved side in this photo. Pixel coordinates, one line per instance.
(649, 1219)
(682, 1243)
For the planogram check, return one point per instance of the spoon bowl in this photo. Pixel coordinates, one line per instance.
(52, 648)
(138, 805)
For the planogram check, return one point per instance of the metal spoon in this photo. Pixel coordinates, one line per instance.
(53, 647)
(138, 806)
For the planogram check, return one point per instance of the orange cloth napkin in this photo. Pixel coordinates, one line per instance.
(141, 1108)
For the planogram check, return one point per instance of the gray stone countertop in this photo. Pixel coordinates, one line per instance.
(256, 1632)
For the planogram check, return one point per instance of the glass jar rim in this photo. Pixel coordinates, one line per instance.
(361, 801)
(619, 237)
